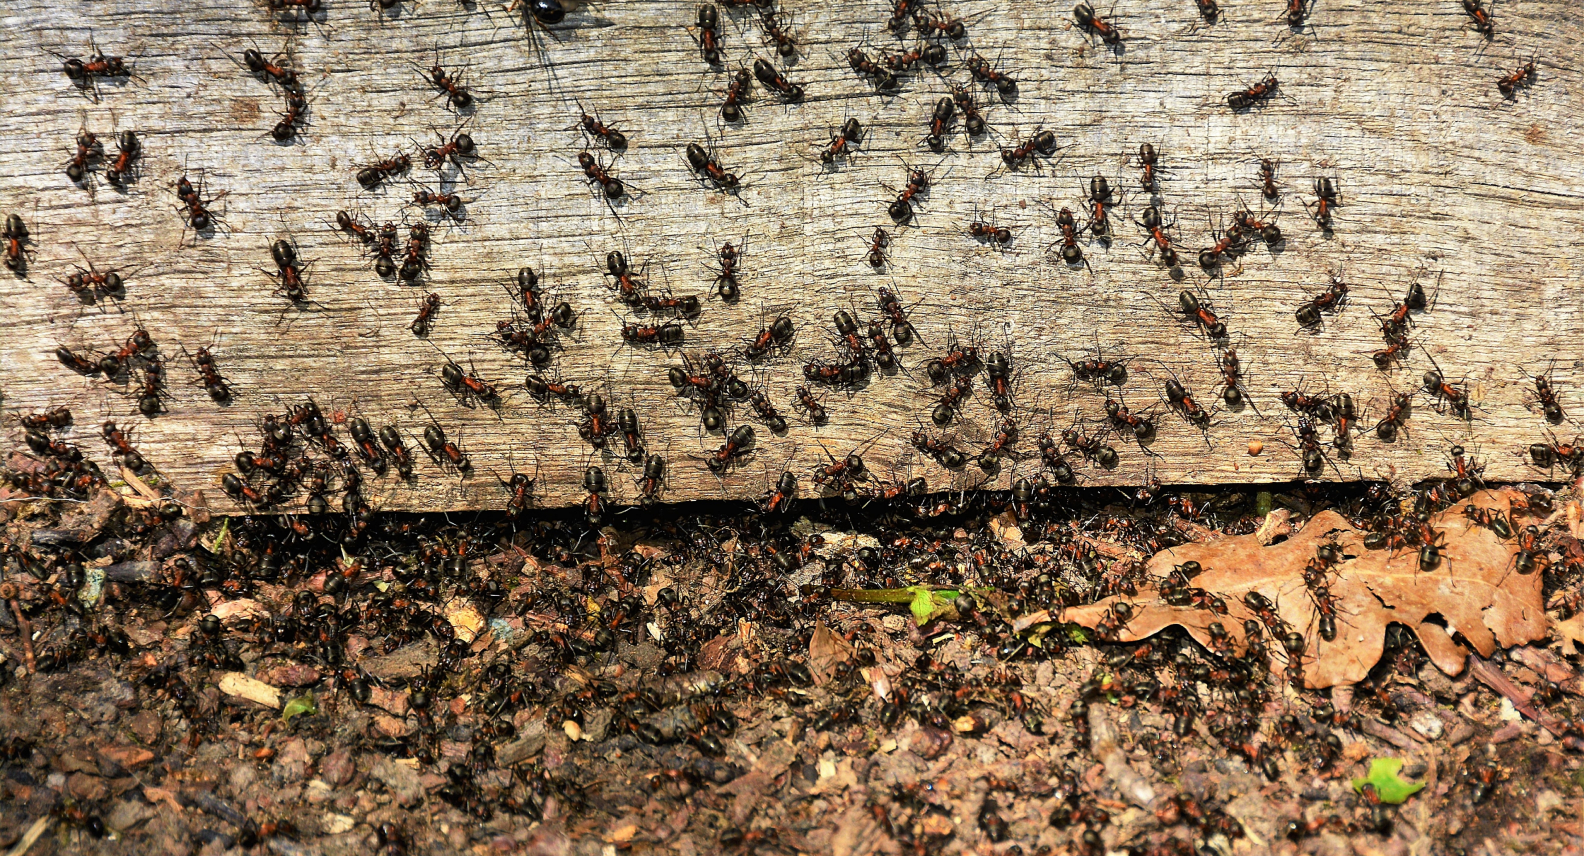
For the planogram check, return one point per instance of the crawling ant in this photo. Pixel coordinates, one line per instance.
(372, 175)
(737, 444)
(385, 251)
(766, 409)
(687, 306)
(878, 242)
(776, 31)
(449, 86)
(389, 436)
(417, 252)
(1483, 23)
(1524, 76)
(1466, 470)
(847, 329)
(598, 425)
(902, 11)
(860, 63)
(118, 441)
(519, 493)
(291, 270)
(309, 8)
(596, 173)
(1042, 143)
(54, 419)
(1550, 454)
(780, 499)
(703, 163)
(941, 24)
(1208, 10)
(296, 107)
(726, 284)
(1455, 398)
(426, 313)
(901, 210)
(87, 284)
(213, 382)
(451, 202)
(442, 451)
(934, 55)
(1244, 225)
(543, 388)
(1325, 200)
(885, 357)
(776, 335)
(1151, 222)
(810, 405)
(1309, 444)
(1396, 417)
(983, 72)
(1231, 368)
(629, 288)
(367, 448)
(1231, 241)
(1099, 198)
(842, 143)
(455, 150)
(999, 369)
(88, 147)
(77, 362)
(666, 335)
(627, 426)
(1092, 446)
(1396, 347)
(1330, 300)
(1148, 163)
(709, 34)
(999, 446)
(467, 387)
(955, 359)
(940, 120)
(983, 230)
(1085, 15)
(901, 328)
(1071, 253)
(1254, 94)
(943, 452)
(1346, 414)
(1296, 9)
(736, 92)
(85, 73)
(128, 148)
(1199, 313)
(1267, 180)
(772, 79)
(151, 391)
(950, 401)
(973, 122)
(1183, 402)
(195, 210)
(1546, 397)
(652, 481)
(614, 139)
(1142, 425)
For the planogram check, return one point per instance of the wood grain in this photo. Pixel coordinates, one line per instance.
(1441, 179)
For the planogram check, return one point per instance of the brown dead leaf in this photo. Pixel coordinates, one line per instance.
(1474, 592)
(826, 651)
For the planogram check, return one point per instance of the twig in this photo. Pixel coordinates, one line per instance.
(1492, 677)
(24, 627)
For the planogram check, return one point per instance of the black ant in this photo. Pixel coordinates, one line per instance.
(1396, 417)
(449, 202)
(736, 93)
(710, 168)
(213, 382)
(1099, 199)
(1141, 425)
(1071, 253)
(842, 143)
(417, 260)
(1254, 94)
(444, 452)
(891, 307)
(726, 284)
(448, 85)
(1267, 169)
(121, 169)
(738, 444)
(772, 79)
(614, 139)
(467, 388)
(85, 73)
(291, 269)
(1200, 313)
(940, 121)
(1182, 401)
(296, 108)
(194, 209)
(1325, 201)
(1085, 15)
(984, 230)
(951, 401)
(901, 209)
(426, 314)
(1208, 10)
(457, 149)
(973, 121)
(709, 34)
(666, 335)
(1231, 367)
(1455, 398)
(652, 481)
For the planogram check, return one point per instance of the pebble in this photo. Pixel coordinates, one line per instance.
(1427, 724)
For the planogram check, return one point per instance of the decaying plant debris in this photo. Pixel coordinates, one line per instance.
(684, 682)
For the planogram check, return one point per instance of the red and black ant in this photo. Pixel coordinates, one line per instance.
(1151, 222)
(652, 482)
(773, 80)
(290, 276)
(121, 169)
(1254, 94)
(374, 174)
(385, 251)
(89, 284)
(1208, 10)
(592, 126)
(810, 405)
(88, 147)
(1149, 161)
(707, 166)
(417, 260)
(708, 37)
(983, 72)
(1099, 200)
(296, 108)
(1085, 15)
(1295, 12)
(941, 450)
(998, 367)
(1546, 397)
(467, 388)
(1396, 417)
(457, 150)
(860, 63)
(629, 288)
(1230, 242)
(1245, 228)
(878, 242)
(194, 209)
(1092, 446)
(1142, 426)
(738, 444)
(1330, 300)
(842, 142)
(1071, 253)
(984, 230)
(1454, 398)
(448, 85)
(1200, 313)
(86, 73)
(213, 382)
(901, 209)
(776, 31)
(891, 307)
(426, 314)
(1325, 201)
(940, 121)
(973, 122)
(1043, 143)
(1182, 401)
(951, 401)
(597, 425)
(736, 93)
(668, 335)
(1267, 180)
(726, 284)
(1231, 368)
(1483, 23)
(1523, 77)
(449, 202)
(777, 335)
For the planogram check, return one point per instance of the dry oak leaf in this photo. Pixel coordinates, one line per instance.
(1474, 591)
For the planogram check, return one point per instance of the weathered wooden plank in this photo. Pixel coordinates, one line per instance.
(1441, 178)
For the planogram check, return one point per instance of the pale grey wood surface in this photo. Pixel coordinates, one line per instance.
(1439, 175)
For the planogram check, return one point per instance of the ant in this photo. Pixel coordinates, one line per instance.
(956, 358)
(1524, 76)
(1183, 402)
(1296, 9)
(860, 63)
(444, 452)
(885, 357)
(776, 31)
(291, 270)
(417, 252)
(1099, 198)
(389, 436)
(426, 313)
(943, 452)
(772, 79)
(629, 288)
(1309, 444)
(457, 149)
(1550, 454)
(780, 499)
(296, 106)
(542, 388)
(901, 328)
(466, 387)
(372, 175)
(1085, 15)
(941, 24)
(1267, 168)
(1208, 10)
(1466, 470)
(776, 335)
(627, 426)
(950, 401)
(614, 139)
(1142, 425)
(1244, 225)
(940, 120)
(736, 91)
(1071, 253)
(127, 149)
(1455, 398)
(737, 445)
(666, 335)
(519, 493)
(1042, 143)
(973, 122)
(1254, 94)
(87, 284)
(367, 448)
(999, 446)
(901, 210)
(1092, 446)
(878, 242)
(1054, 460)
(1346, 414)
(599, 175)
(448, 85)
(709, 34)
(213, 382)
(451, 202)
(1483, 23)
(1546, 397)
(983, 72)
(1233, 392)
(811, 406)
(1148, 164)
(1199, 312)
(88, 146)
(1151, 222)
(385, 251)
(766, 409)
(1325, 200)
(1396, 417)
(652, 481)
(597, 426)
(118, 441)
(999, 369)
(195, 210)
(983, 230)
(842, 143)
(85, 73)
(726, 284)
(703, 163)
(1330, 300)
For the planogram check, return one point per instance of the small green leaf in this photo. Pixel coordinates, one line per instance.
(928, 605)
(303, 704)
(1391, 788)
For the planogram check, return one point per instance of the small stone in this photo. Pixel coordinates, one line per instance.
(1548, 800)
(85, 787)
(289, 675)
(117, 760)
(465, 619)
(338, 767)
(335, 824)
(930, 743)
(574, 732)
(1508, 713)
(125, 814)
(1427, 724)
(937, 824)
(1255, 447)
(401, 780)
(146, 727)
(291, 763)
(390, 726)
